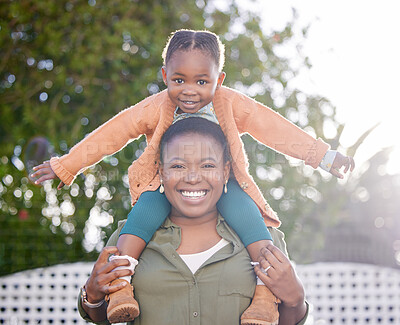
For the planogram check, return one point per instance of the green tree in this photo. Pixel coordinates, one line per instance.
(68, 66)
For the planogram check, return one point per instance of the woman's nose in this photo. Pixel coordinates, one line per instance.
(193, 177)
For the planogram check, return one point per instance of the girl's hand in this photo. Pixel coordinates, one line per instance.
(45, 172)
(98, 284)
(339, 162)
(280, 277)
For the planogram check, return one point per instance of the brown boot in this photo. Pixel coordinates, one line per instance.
(122, 306)
(263, 309)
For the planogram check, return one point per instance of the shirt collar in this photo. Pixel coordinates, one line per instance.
(223, 230)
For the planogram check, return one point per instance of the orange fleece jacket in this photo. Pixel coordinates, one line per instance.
(236, 113)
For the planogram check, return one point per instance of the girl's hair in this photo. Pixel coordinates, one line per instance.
(195, 125)
(186, 40)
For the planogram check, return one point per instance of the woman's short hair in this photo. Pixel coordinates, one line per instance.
(195, 125)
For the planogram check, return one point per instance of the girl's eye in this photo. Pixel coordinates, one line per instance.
(179, 81)
(202, 82)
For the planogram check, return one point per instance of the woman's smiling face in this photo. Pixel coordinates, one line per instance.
(194, 173)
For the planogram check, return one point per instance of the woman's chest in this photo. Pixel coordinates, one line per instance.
(221, 289)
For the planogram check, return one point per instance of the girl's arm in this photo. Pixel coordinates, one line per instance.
(275, 131)
(278, 133)
(106, 140)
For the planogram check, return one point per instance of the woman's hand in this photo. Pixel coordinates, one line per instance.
(45, 172)
(339, 162)
(98, 284)
(278, 274)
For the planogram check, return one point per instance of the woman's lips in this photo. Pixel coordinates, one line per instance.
(194, 195)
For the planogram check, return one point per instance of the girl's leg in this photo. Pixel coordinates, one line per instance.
(146, 216)
(243, 215)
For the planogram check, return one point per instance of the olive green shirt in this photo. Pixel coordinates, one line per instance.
(168, 293)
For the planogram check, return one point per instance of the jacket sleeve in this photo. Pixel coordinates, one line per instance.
(106, 140)
(276, 132)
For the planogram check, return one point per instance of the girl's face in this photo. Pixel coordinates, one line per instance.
(193, 173)
(192, 78)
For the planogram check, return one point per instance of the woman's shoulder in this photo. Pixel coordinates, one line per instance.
(112, 241)
(278, 238)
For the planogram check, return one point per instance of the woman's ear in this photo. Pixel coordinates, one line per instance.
(221, 79)
(164, 74)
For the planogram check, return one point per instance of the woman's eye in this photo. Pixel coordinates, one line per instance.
(202, 82)
(177, 166)
(209, 166)
(179, 81)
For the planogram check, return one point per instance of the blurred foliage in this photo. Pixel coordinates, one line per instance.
(367, 230)
(66, 67)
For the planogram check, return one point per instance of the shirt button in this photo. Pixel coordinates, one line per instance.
(244, 185)
(195, 314)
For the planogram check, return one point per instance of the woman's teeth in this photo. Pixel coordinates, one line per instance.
(193, 195)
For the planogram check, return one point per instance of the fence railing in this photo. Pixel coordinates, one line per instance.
(339, 293)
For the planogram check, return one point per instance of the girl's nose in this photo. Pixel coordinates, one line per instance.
(189, 91)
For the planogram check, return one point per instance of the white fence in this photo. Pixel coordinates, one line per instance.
(351, 293)
(339, 293)
(43, 296)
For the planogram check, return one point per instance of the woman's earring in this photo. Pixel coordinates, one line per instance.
(226, 187)
(161, 187)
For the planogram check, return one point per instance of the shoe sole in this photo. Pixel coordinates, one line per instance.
(122, 313)
(256, 322)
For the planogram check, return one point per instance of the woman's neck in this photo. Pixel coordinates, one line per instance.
(197, 234)
(185, 221)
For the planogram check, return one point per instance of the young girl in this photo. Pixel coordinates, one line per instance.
(192, 72)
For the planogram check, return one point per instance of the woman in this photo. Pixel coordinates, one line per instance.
(195, 270)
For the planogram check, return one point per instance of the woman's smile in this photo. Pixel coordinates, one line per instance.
(194, 195)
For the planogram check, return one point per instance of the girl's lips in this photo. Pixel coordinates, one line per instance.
(189, 104)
